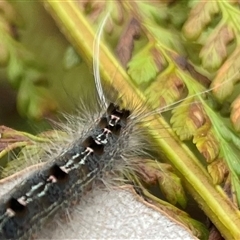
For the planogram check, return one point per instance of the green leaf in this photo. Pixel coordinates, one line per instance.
(214, 51)
(218, 171)
(77, 24)
(199, 17)
(167, 88)
(145, 65)
(235, 115)
(198, 229)
(187, 118)
(172, 189)
(206, 142)
(169, 183)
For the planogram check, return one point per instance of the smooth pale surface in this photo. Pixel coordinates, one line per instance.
(115, 213)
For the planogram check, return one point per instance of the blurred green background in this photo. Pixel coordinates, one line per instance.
(62, 78)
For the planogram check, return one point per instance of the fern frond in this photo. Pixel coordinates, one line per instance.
(227, 76)
(150, 61)
(200, 16)
(235, 117)
(170, 44)
(215, 26)
(170, 184)
(218, 171)
(187, 118)
(161, 45)
(165, 90)
(214, 51)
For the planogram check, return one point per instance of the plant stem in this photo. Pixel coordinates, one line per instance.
(211, 199)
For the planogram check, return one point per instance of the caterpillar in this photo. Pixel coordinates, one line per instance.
(68, 175)
(94, 152)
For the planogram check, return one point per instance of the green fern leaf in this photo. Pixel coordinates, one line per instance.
(200, 16)
(150, 61)
(218, 171)
(206, 142)
(160, 55)
(214, 51)
(166, 89)
(235, 117)
(187, 118)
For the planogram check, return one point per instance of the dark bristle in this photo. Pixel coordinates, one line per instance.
(115, 110)
(126, 114)
(91, 143)
(57, 172)
(103, 122)
(116, 129)
(15, 205)
(111, 108)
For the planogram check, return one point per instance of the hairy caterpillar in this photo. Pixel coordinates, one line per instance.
(69, 174)
(74, 155)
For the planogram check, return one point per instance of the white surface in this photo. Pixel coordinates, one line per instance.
(109, 214)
